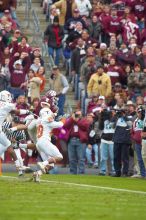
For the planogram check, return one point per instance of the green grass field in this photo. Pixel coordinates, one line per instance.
(68, 197)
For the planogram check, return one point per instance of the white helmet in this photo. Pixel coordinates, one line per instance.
(46, 113)
(5, 96)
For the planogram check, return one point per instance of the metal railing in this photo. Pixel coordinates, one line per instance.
(27, 10)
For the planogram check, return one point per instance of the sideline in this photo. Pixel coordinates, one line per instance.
(86, 186)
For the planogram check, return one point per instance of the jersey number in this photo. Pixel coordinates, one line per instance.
(39, 131)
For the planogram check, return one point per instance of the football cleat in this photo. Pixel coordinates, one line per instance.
(36, 177)
(42, 167)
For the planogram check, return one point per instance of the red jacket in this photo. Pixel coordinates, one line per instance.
(136, 131)
(116, 74)
(114, 25)
(83, 128)
(18, 76)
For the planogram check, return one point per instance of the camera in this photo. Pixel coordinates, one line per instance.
(106, 114)
(120, 112)
(52, 76)
(142, 111)
(77, 115)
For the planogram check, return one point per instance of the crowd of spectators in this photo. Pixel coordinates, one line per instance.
(103, 44)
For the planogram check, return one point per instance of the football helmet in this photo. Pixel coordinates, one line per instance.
(45, 101)
(5, 96)
(50, 94)
(46, 113)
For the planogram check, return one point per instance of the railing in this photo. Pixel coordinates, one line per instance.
(32, 22)
(28, 4)
(36, 21)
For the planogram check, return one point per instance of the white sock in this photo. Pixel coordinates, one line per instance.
(39, 172)
(29, 152)
(20, 161)
(45, 162)
(23, 146)
(20, 172)
(17, 163)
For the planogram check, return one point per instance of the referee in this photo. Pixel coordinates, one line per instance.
(15, 137)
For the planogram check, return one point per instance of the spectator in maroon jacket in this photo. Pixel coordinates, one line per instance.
(114, 23)
(23, 46)
(115, 72)
(124, 56)
(129, 30)
(88, 40)
(139, 10)
(92, 104)
(18, 66)
(104, 18)
(77, 128)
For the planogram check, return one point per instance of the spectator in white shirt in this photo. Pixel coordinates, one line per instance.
(84, 6)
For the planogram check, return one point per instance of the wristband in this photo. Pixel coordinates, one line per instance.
(13, 129)
(24, 111)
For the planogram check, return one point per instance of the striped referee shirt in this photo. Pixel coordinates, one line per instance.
(18, 136)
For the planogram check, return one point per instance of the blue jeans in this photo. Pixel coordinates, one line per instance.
(106, 150)
(138, 148)
(57, 53)
(89, 154)
(141, 25)
(76, 155)
(61, 103)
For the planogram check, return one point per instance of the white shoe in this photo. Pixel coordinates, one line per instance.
(136, 176)
(36, 177)
(42, 167)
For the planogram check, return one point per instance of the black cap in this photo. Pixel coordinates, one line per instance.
(100, 66)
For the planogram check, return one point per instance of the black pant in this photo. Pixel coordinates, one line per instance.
(121, 158)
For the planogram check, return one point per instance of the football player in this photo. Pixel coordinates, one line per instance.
(44, 125)
(16, 137)
(6, 107)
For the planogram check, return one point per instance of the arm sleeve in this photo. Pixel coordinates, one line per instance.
(56, 124)
(65, 84)
(89, 87)
(109, 87)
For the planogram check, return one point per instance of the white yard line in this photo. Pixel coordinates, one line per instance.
(86, 186)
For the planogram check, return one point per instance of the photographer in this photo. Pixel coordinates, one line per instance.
(122, 141)
(106, 124)
(77, 128)
(137, 138)
(94, 136)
